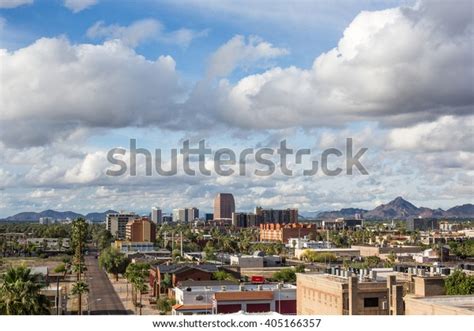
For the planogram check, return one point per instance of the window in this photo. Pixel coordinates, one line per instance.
(371, 302)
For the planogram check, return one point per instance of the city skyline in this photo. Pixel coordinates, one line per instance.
(396, 76)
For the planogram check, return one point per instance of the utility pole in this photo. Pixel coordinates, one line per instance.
(181, 243)
(172, 242)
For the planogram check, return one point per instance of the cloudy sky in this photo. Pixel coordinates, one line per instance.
(79, 77)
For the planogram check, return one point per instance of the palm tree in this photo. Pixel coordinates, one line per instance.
(79, 289)
(20, 293)
(137, 274)
(79, 230)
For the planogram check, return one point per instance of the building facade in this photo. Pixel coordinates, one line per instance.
(422, 224)
(140, 230)
(281, 233)
(276, 216)
(324, 294)
(224, 206)
(116, 223)
(156, 215)
(244, 220)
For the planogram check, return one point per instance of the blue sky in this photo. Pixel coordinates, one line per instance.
(84, 76)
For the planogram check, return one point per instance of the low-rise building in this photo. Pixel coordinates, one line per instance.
(255, 261)
(300, 243)
(439, 305)
(281, 233)
(324, 294)
(195, 297)
(384, 252)
(178, 273)
(264, 298)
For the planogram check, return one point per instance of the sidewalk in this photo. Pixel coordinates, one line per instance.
(125, 296)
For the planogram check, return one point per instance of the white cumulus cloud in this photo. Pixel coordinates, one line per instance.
(14, 3)
(141, 31)
(79, 5)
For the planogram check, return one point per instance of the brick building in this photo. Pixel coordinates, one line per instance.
(281, 233)
(280, 298)
(140, 230)
(179, 273)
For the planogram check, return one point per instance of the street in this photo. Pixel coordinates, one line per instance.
(103, 300)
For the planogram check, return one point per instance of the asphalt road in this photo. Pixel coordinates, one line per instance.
(102, 297)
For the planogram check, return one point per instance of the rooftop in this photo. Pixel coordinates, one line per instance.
(455, 301)
(173, 268)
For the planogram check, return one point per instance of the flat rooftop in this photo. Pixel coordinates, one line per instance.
(457, 301)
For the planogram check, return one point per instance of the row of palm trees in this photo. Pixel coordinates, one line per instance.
(137, 274)
(78, 240)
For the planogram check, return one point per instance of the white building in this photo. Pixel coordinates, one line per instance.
(156, 215)
(46, 220)
(255, 261)
(199, 297)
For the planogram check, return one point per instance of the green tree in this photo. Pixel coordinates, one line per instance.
(372, 261)
(222, 275)
(20, 293)
(300, 268)
(114, 261)
(458, 283)
(79, 233)
(210, 252)
(60, 268)
(79, 288)
(286, 275)
(137, 274)
(166, 282)
(312, 256)
(165, 305)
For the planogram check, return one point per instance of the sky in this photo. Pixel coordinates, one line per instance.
(81, 77)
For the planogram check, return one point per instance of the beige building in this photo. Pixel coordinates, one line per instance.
(141, 230)
(324, 294)
(440, 305)
(116, 223)
(384, 252)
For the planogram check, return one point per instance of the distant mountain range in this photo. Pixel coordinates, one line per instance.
(32, 216)
(398, 208)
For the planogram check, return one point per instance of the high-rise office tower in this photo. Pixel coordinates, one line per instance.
(192, 214)
(224, 206)
(156, 215)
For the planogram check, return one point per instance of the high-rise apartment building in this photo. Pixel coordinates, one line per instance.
(280, 216)
(185, 215)
(422, 224)
(156, 215)
(179, 215)
(243, 220)
(224, 206)
(192, 214)
(116, 223)
(140, 230)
